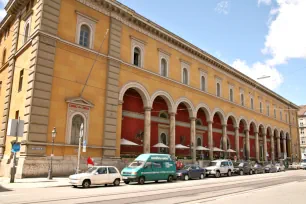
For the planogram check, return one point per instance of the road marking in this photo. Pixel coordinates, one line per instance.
(12, 194)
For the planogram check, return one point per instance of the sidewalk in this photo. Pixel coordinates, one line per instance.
(34, 182)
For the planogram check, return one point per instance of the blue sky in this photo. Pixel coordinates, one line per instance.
(257, 37)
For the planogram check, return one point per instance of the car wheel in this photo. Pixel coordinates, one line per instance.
(202, 176)
(74, 186)
(229, 173)
(251, 172)
(270, 171)
(170, 178)
(156, 181)
(86, 184)
(186, 177)
(241, 173)
(141, 180)
(217, 175)
(126, 182)
(116, 182)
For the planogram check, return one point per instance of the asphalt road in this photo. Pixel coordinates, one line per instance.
(208, 190)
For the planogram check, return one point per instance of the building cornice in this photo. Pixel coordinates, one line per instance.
(131, 18)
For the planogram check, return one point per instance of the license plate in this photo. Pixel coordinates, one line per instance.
(124, 177)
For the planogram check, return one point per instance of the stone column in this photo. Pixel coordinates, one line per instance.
(272, 149)
(210, 140)
(284, 147)
(147, 131)
(257, 146)
(192, 139)
(247, 143)
(224, 139)
(237, 142)
(278, 148)
(265, 146)
(172, 134)
(118, 131)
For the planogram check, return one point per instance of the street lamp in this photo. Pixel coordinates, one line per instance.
(53, 133)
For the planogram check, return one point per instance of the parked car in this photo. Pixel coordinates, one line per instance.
(294, 165)
(190, 172)
(258, 169)
(280, 167)
(303, 164)
(150, 167)
(96, 175)
(219, 167)
(242, 168)
(270, 168)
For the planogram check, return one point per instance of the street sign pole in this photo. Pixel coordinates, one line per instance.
(13, 169)
(79, 151)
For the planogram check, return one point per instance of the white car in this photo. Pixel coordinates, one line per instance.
(303, 164)
(96, 175)
(219, 167)
(280, 167)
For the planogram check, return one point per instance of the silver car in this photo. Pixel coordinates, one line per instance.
(280, 167)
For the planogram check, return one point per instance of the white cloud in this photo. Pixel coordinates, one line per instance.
(259, 69)
(223, 7)
(267, 2)
(2, 11)
(286, 37)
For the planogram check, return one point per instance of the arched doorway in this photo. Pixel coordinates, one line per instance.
(252, 133)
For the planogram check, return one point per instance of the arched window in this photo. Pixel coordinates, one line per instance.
(137, 57)
(163, 114)
(252, 103)
(185, 76)
(231, 95)
(84, 35)
(199, 142)
(242, 99)
(3, 56)
(274, 113)
(26, 33)
(268, 110)
(77, 121)
(164, 68)
(198, 122)
(218, 90)
(281, 115)
(203, 83)
(260, 107)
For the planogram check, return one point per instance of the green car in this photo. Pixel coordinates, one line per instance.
(150, 167)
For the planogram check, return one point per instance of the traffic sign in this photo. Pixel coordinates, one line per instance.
(16, 147)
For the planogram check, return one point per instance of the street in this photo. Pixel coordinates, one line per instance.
(284, 187)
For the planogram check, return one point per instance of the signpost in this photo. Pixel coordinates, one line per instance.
(79, 151)
(15, 128)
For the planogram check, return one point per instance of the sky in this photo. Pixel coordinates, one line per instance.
(257, 37)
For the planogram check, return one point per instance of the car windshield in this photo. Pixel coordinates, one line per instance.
(268, 165)
(212, 164)
(135, 164)
(304, 160)
(186, 167)
(241, 164)
(90, 170)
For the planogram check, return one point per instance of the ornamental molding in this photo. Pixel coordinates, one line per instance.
(132, 19)
(80, 101)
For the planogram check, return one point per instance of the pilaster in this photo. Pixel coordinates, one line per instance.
(172, 134)
(257, 146)
(193, 139)
(210, 140)
(237, 142)
(265, 147)
(147, 131)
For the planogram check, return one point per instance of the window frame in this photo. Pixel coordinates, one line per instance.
(89, 35)
(136, 43)
(185, 76)
(204, 75)
(164, 55)
(3, 57)
(161, 67)
(20, 82)
(91, 23)
(185, 65)
(26, 32)
(252, 103)
(231, 97)
(260, 107)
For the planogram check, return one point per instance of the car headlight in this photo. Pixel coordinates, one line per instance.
(179, 174)
(134, 173)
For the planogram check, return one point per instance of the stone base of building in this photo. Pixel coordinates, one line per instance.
(61, 166)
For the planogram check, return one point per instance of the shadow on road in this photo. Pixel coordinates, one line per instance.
(2, 189)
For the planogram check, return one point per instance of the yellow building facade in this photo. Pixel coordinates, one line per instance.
(50, 48)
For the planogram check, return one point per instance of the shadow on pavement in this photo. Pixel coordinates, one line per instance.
(2, 189)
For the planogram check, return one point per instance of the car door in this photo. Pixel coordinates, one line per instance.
(223, 167)
(192, 172)
(101, 176)
(157, 172)
(112, 174)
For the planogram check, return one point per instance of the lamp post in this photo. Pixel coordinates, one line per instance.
(50, 166)
(79, 151)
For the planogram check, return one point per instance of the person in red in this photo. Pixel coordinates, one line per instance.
(179, 165)
(90, 162)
